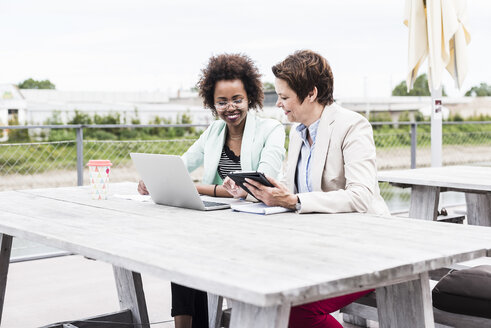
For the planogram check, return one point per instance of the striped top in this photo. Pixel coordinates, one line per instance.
(229, 162)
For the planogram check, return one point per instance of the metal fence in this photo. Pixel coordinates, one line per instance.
(471, 144)
(62, 163)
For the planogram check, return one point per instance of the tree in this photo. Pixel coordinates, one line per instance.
(34, 84)
(420, 88)
(483, 90)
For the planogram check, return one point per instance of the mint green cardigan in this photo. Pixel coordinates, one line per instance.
(262, 149)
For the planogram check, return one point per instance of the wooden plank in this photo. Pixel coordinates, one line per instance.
(478, 209)
(406, 305)
(215, 304)
(459, 178)
(424, 202)
(357, 319)
(6, 247)
(111, 320)
(369, 312)
(131, 296)
(225, 321)
(471, 263)
(365, 308)
(442, 318)
(249, 316)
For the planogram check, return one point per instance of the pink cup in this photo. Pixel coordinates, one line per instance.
(99, 178)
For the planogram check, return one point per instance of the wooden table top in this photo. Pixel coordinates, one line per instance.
(262, 260)
(472, 178)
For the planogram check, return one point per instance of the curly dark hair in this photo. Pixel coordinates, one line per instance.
(303, 71)
(231, 67)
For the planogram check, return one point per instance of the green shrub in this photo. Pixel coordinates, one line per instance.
(17, 135)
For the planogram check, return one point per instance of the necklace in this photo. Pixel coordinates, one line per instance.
(235, 137)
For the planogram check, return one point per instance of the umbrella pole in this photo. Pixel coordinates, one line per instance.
(436, 127)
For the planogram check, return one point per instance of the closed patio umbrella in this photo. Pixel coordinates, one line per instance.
(437, 31)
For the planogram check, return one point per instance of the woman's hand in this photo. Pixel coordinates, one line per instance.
(233, 189)
(142, 189)
(272, 196)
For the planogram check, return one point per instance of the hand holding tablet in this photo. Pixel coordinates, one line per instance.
(239, 178)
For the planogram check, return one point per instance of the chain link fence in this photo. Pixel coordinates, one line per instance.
(458, 148)
(59, 163)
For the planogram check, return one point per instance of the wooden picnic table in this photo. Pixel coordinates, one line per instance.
(264, 264)
(427, 183)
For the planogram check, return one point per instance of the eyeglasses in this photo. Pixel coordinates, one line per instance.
(222, 105)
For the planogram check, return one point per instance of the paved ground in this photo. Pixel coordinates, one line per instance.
(47, 291)
(71, 287)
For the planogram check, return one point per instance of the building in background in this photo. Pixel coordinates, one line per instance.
(36, 106)
(13, 107)
(144, 106)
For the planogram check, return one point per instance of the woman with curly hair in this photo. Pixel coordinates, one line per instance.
(230, 86)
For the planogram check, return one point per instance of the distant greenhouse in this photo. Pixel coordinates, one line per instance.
(144, 106)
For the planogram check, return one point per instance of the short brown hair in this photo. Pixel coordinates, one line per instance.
(303, 71)
(231, 67)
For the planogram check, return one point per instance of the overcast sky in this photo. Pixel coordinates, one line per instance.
(147, 45)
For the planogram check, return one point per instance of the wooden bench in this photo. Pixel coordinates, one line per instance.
(121, 319)
(365, 308)
(451, 218)
(450, 215)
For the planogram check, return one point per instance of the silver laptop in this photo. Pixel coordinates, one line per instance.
(169, 182)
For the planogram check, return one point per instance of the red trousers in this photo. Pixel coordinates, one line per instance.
(316, 314)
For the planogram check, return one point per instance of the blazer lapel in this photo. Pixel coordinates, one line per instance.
(213, 152)
(247, 142)
(322, 142)
(293, 153)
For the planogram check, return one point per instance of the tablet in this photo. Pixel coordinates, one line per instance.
(240, 176)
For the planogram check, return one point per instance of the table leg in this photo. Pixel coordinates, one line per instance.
(6, 247)
(478, 209)
(424, 202)
(215, 304)
(250, 316)
(406, 305)
(131, 296)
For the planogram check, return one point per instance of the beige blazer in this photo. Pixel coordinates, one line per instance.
(344, 171)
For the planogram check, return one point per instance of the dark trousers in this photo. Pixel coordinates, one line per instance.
(188, 301)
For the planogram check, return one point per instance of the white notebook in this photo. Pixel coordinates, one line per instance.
(259, 208)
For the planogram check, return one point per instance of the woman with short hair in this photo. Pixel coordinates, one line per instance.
(331, 165)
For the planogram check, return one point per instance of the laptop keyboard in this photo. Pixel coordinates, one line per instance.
(211, 204)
